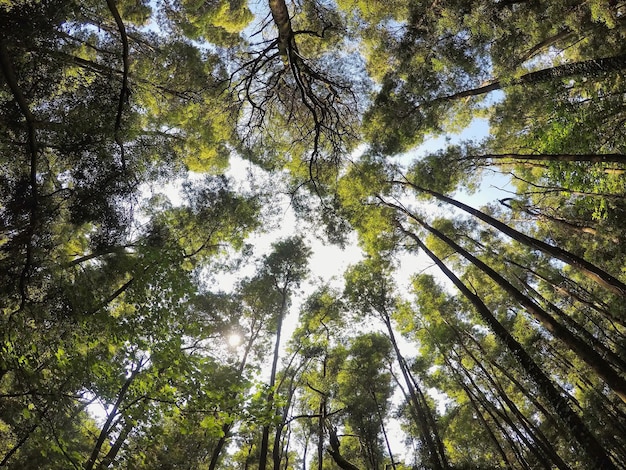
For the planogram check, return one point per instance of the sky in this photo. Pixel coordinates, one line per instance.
(328, 262)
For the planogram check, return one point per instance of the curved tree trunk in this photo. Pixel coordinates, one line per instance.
(335, 453)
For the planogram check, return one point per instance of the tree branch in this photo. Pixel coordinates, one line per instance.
(125, 91)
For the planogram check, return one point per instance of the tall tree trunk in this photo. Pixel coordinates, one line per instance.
(8, 72)
(384, 430)
(529, 427)
(277, 450)
(582, 349)
(552, 157)
(322, 420)
(538, 214)
(523, 434)
(270, 396)
(563, 289)
(106, 428)
(600, 276)
(474, 401)
(430, 433)
(586, 336)
(109, 458)
(577, 429)
(221, 443)
(586, 68)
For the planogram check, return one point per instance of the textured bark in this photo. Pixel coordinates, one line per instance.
(280, 15)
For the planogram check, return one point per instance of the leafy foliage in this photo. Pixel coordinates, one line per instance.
(139, 328)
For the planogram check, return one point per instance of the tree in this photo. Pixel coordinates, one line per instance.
(370, 289)
(284, 269)
(110, 291)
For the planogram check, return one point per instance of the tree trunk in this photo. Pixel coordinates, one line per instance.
(600, 276)
(430, 434)
(538, 214)
(384, 430)
(270, 397)
(280, 15)
(587, 68)
(582, 349)
(573, 423)
(321, 421)
(474, 401)
(335, 453)
(106, 428)
(552, 157)
(529, 427)
(221, 443)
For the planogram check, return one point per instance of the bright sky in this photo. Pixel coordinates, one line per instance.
(328, 263)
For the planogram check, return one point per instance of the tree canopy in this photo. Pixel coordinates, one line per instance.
(170, 170)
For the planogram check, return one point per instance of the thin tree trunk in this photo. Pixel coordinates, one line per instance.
(598, 307)
(600, 276)
(536, 434)
(115, 448)
(536, 213)
(106, 428)
(430, 433)
(125, 90)
(473, 402)
(582, 349)
(18, 444)
(321, 421)
(277, 451)
(382, 427)
(573, 423)
(270, 397)
(476, 400)
(588, 338)
(523, 434)
(6, 66)
(221, 443)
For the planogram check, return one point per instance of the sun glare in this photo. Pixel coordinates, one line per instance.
(234, 339)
